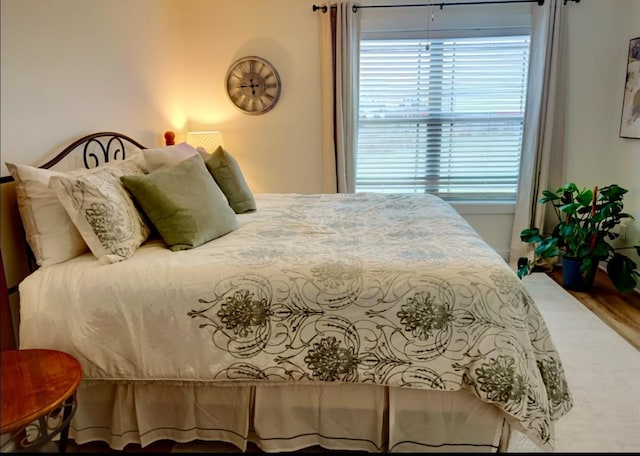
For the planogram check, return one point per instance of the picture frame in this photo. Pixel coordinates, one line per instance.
(630, 121)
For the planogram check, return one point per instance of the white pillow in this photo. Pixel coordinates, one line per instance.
(163, 157)
(103, 211)
(51, 234)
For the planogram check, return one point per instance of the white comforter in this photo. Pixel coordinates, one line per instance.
(386, 289)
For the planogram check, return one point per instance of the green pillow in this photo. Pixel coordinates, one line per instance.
(184, 203)
(226, 171)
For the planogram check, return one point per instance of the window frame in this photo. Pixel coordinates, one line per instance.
(483, 21)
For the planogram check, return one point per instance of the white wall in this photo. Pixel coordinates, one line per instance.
(599, 33)
(70, 67)
(279, 151)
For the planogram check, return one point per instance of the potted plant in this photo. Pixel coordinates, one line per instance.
(586, 222)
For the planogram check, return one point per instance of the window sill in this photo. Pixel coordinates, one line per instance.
(479, 208)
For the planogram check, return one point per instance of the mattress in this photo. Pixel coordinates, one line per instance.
(395, 291)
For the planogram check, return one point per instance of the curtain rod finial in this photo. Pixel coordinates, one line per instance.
(323, 8)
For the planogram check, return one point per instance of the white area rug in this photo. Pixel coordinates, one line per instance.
(603, 371)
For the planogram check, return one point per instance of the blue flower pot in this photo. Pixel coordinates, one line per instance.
(572, 279)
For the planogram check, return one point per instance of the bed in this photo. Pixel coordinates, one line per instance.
(374, 322)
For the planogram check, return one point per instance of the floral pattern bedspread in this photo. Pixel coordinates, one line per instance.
(372, 288)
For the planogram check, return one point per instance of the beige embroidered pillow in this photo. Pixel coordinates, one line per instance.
(102, 210)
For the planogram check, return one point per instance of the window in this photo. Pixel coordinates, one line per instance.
(442, 116)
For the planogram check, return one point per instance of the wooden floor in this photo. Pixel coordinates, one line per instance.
(621, 311)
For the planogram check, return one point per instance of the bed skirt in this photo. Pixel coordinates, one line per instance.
(370, 418)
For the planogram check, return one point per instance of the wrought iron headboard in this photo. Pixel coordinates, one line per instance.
(111, 144)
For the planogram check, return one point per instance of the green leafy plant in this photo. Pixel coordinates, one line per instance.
(586, 222)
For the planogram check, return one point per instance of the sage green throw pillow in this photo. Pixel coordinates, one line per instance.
(184, 203)
(226, 171)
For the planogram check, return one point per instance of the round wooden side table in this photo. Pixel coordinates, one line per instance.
(38, 397)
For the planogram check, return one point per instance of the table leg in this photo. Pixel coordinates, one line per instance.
(64, 434)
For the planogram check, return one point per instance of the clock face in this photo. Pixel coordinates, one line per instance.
(253, 85)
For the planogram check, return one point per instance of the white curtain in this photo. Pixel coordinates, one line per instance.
(339, 57)
(542, 159)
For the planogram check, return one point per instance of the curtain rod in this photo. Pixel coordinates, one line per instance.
(441, 5)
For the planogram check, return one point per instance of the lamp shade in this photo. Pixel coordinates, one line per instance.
(208, 140)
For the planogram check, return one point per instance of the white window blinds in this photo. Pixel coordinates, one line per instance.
(442, 115)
